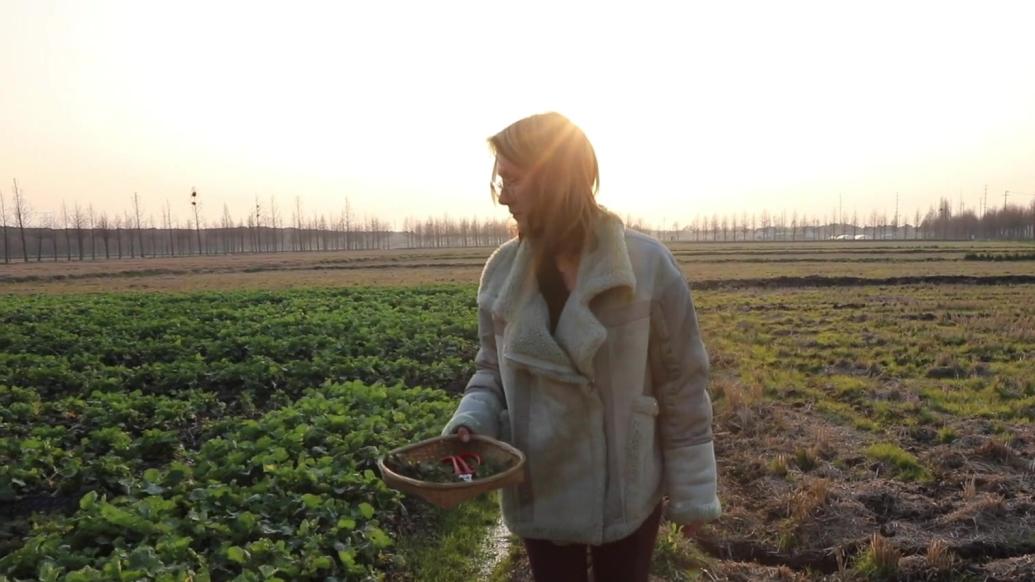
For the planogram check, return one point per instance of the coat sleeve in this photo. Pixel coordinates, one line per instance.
(680, 364)
(483, 398)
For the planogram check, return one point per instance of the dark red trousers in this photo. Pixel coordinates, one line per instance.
(625, 560)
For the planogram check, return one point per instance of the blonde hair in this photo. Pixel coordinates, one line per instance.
(557, 157)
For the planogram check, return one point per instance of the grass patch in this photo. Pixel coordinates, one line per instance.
(848, 388)
(777, 466)
(985, 403)
(903, 464)
(676, 558)
(880, 561)
(805, 459)
(840, 411)
(453, 547)
(946, 434)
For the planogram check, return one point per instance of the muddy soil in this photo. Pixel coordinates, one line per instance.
(819, 515)
(820, 281)
(802, 502)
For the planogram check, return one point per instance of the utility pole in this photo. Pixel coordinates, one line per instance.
(258, 232)
(1015, 193)
(197, 223)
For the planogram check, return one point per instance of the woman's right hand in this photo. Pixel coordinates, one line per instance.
(464, 433)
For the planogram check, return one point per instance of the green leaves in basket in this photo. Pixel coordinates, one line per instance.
(421, 471)
(488, 468)
(439, 472)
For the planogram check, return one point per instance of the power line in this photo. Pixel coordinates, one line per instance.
(1008, 193)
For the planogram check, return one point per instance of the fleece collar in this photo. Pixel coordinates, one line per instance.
(568, 355)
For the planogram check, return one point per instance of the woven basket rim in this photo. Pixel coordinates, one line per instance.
(459, 485)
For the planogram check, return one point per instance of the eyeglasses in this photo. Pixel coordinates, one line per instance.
(499, 185)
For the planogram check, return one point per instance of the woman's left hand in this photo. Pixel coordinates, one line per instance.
(690, 530)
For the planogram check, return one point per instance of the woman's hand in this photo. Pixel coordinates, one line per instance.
(690, 530)
(464, 433)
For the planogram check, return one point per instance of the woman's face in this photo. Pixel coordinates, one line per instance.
(514, 191)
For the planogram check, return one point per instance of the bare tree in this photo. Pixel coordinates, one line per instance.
(227, 225)
(136, 212)
(118, 235)
(250, 228)
(92, 225)
(765, 224)
(167, 222)
(348, 224)
(152, 234)
(274, 223)
(64, 227)
(127, 222)
(3, 222)
(78, 218)
(22, 214)
(47, 226)
(298, 223)
(46, 223)
(105, 227)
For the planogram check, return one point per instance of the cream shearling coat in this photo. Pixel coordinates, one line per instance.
(612, 410)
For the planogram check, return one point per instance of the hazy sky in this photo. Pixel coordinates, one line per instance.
(694, 108)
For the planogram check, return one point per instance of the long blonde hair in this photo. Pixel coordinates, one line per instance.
(556, 155)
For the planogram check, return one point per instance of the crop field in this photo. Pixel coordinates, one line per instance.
(706, 264)
(873, 401)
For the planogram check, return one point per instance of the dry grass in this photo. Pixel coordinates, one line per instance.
(881, 559)
(939, 557)
(997, 450)
(823, 437)
(970, 488)
(735, 394)
(809, 498)
(980, 511)
(842, 562)
(885, 554)
(778, 465)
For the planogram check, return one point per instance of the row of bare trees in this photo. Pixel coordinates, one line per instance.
(1012, 222)
(81, 233)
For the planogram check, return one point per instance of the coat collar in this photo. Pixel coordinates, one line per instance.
(568, 355)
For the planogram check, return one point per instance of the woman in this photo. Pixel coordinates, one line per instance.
(590, 362)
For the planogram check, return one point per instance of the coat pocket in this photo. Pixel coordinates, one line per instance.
(504, 424)
(509, 496)
(643, 457)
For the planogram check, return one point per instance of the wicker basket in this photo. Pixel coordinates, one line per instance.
(450, 494)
